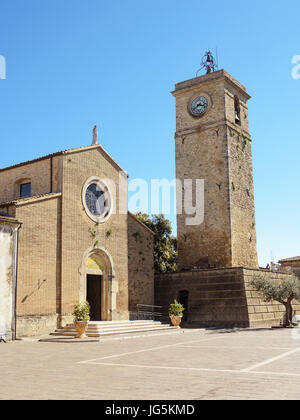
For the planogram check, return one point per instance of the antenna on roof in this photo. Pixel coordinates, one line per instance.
(95, 135)
(217, 57)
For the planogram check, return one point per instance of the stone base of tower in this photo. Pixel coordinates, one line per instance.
(220, 298)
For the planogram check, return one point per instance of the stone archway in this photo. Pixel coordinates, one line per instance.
(98, 262)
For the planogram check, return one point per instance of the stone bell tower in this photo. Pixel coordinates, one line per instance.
(213, 144)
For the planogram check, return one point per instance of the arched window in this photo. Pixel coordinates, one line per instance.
(237, 110)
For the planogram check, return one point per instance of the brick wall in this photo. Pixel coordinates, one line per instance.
(39, 173)
(38, 261)
(140, 264)
(56, 236)
(76, 237)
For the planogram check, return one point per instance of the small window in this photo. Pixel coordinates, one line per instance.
(25, 189)
(237, 110)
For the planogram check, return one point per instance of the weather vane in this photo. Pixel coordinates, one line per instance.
(209, 63)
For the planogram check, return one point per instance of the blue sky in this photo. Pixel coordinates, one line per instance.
(73, 63)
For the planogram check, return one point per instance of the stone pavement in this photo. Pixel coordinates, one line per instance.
(188, 364)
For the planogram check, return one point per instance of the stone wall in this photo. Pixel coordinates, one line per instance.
(216, 297)
(140, 264)
(242, 211)
(28, 326)
(201, 154)
(8, 254)
(221, 297)
(263, 314)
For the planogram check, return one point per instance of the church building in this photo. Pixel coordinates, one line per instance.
(291, 265)
(66, 236)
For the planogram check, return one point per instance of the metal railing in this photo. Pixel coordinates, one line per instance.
(150, 312)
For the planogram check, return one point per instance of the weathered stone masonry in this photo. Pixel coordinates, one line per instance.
(221, 297)
(215, 149)
(217, 259)
(141, 279)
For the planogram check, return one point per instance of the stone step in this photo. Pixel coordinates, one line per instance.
(106, 333)
(114, 328)
(104, 323)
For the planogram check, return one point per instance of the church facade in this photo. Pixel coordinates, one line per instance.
(76, 241)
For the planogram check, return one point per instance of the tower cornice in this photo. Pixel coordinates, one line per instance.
(182, 87)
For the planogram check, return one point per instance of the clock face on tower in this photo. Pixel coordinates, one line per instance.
(199, 106)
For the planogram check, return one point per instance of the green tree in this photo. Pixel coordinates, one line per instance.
(283, 291)
(165, 245)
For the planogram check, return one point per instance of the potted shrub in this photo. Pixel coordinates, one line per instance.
(82, 317)
(175, 313)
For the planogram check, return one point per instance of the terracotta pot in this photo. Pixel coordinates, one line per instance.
(81, 327)
(176, 320)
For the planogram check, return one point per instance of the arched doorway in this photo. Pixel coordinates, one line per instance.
(97, 284)
(183, 298)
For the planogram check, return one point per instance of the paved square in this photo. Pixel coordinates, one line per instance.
(188, 364)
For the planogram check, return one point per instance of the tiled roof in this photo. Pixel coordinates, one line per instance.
(290, 259)
(30, 198)
(64, 152)
(32, 161)
(7, 218)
